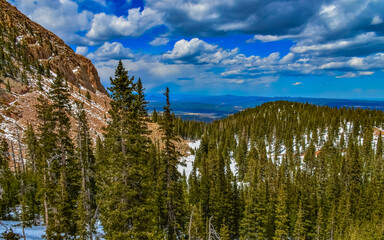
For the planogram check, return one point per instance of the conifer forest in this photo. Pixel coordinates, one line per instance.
(282, 170)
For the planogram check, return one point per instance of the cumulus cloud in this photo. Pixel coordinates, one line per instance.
(371, 62)
(113, 50)
(159, 41)
(198, 51)
(105, 26)
(362, 44)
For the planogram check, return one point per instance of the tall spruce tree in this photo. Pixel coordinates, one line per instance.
(86, 205)
(124, 180)
(8, 183)
(175, 214)
(67, 177)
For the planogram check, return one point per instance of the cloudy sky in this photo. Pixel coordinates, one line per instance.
(322, 48)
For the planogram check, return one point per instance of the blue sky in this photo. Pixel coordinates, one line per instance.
(324, 48)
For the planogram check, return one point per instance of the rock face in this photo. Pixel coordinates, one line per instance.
(49, 50)
(30, 59)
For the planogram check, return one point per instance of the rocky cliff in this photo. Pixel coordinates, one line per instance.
(44, 49)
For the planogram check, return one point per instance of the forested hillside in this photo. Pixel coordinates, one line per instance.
(302, 172)
(282, 170)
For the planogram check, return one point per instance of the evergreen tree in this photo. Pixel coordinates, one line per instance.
(8, 183)
(281, 222)
(173, 189)
(67, 176)
(124, 197)
(86, 205)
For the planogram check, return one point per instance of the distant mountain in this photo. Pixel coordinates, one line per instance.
(209, 108)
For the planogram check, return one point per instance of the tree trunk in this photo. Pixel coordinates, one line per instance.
(190, 225)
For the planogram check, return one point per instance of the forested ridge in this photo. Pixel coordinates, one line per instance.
(282, 170)
(303, 172)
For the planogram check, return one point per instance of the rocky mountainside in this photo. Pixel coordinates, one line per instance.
(41, 48)
(30, 59)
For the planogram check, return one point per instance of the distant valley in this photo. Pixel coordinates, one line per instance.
(210, 108)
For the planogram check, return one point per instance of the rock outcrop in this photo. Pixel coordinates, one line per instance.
(43, 46)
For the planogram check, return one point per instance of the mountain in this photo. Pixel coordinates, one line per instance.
(30, 59)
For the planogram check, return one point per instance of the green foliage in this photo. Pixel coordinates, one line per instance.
(10, 235)
(9, 183)
(174, 206)
(124, 180)
(88, 96)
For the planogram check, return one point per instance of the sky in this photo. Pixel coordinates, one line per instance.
(297, 48)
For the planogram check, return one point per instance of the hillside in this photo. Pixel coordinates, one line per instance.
(301, 170)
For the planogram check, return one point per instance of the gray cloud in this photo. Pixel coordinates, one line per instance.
(218, 17)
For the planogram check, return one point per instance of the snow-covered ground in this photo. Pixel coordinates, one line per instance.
(188, 160)
(34, 233)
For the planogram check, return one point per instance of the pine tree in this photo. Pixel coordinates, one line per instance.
(281, 222)
(8, 183)
(126, 208)
(86, 205)
(68, 176)
(154, 115)
(31, 213)
(173, 189)
(299, 230)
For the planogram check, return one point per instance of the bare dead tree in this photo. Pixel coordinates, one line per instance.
(212, 234)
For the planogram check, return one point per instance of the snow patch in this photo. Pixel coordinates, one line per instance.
(187, 162)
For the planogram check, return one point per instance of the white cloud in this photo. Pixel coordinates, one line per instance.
(288, 58)
(376, 20)
(362, 42)
(109, 26)
(82, 50)
(297, 83)
(366, 73)
(159, 41)
(348, 75)
(183, 49)
(363, 64)
(113, 50)
(266, 38)
(198, 51)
